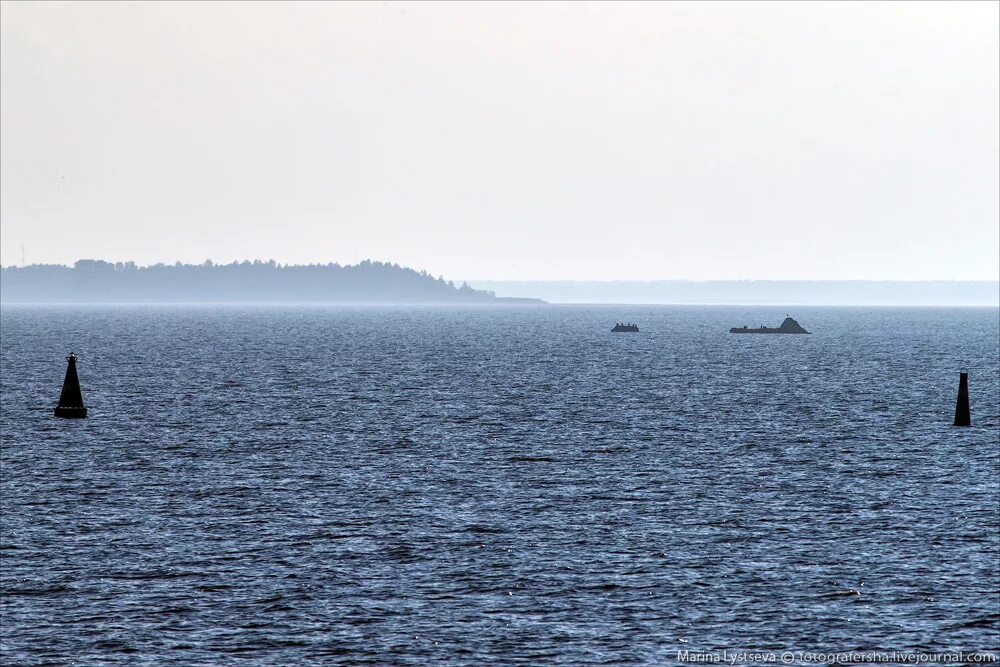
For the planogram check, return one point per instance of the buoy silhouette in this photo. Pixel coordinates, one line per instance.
(962, 414)
(71, 399)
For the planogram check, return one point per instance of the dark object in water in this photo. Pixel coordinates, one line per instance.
(963, 416)
(850, 592)
(622, 327)
(71, 399)
(789, 326)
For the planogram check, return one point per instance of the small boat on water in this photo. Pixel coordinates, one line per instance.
(622, 327)
(789, 326)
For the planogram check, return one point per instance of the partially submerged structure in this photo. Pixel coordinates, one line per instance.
(789, 326)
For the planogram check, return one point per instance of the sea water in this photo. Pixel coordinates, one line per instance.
(405, 485)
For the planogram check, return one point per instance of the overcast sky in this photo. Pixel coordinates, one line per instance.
(508, 141)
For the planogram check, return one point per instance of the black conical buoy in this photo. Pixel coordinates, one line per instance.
(962, 415)
(71, 399)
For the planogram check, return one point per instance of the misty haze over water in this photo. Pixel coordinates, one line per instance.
(763, 292)
(96, 281)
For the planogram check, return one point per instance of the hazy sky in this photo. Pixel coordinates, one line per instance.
(540, 140)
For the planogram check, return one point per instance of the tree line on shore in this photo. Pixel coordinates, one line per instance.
(90, 281)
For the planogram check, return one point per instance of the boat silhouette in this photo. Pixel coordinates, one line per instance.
(789, 326)
(622, 327)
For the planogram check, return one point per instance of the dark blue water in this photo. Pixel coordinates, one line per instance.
(401, 486)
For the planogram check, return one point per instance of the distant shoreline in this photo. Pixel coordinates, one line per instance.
(500, 303)
(370, 283)
(99, 282)
(979, 293)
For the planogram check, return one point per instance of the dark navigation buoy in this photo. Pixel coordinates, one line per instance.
(962, 415)
(71, 399)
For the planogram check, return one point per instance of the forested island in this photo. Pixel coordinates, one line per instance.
(96, 281)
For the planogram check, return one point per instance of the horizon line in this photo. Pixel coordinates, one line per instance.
(446, 304)
(732, 280)
(524, 280)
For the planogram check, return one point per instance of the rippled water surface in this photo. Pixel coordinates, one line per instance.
(410, 485)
